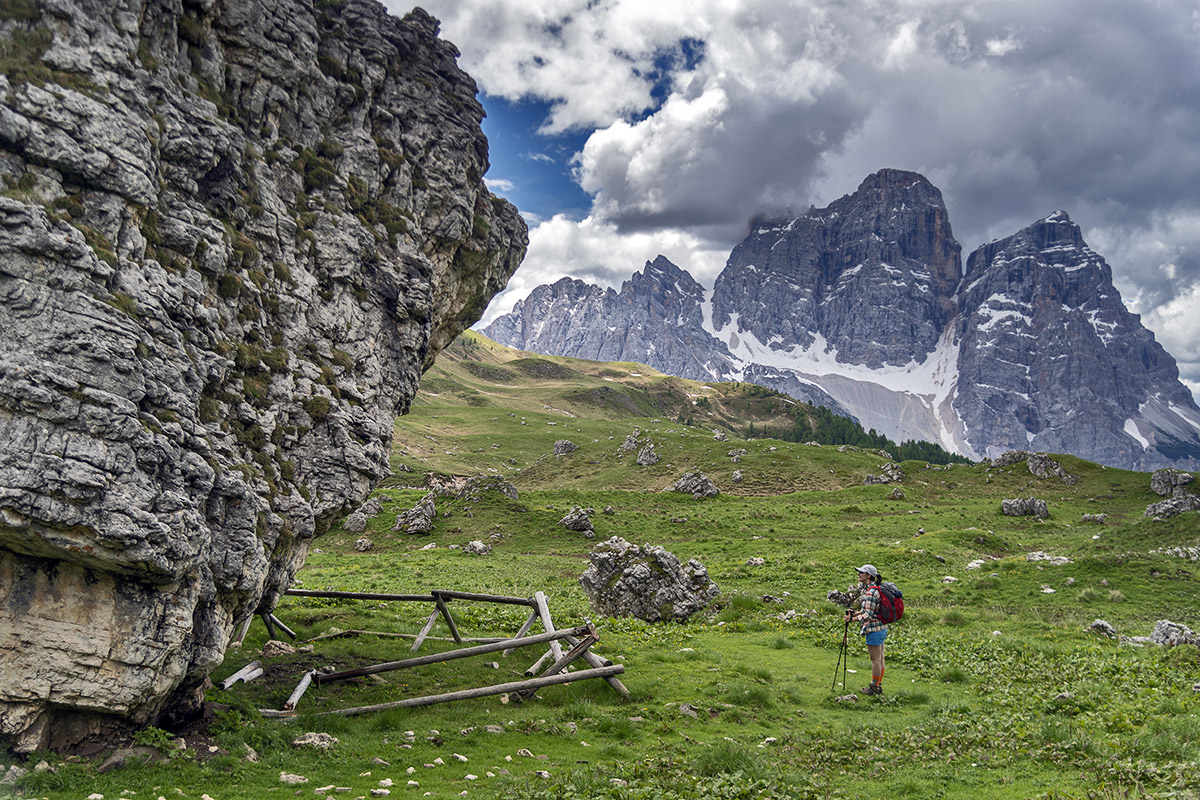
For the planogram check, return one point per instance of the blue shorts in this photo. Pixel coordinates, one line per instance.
(876, 637)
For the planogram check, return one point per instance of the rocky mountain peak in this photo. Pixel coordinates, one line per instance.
(862, 307)
(233, 236)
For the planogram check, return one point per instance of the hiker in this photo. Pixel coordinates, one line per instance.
(873, 628)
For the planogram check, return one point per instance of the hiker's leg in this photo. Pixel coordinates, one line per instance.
(876, 653)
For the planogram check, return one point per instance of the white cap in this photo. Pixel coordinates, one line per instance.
(870, 570)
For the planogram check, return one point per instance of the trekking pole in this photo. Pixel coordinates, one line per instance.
(846, 650)
(841, 661)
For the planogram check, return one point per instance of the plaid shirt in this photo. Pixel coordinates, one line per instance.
(870, 607)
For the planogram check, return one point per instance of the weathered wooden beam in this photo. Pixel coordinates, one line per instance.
(484, 598)
(266, 618)
(466, 694)
(245, 674)
(389, 634)
(533, 617)
(571, 655)
(241, 637)
(299, 691)
(599, 663)
(451, 655)
(291, 633)
(442, 607)
(425, 631)
(416, 598)
(543, 610)
(535, 666)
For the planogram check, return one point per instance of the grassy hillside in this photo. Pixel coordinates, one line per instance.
(994, 687)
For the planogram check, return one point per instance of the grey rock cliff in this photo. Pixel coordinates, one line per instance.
(232, 236)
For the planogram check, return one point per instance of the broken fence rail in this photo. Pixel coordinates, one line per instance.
(466, 694)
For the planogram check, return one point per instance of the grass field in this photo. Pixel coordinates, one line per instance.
(994, 688)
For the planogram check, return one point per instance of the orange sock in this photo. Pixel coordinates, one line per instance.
(880, 678)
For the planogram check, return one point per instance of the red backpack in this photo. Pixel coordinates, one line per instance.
(891, 602)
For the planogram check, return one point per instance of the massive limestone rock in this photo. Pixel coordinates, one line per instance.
(647, 582)
(232, 235)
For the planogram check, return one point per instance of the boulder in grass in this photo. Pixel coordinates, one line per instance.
(697, 484)
(419, 518)
(1174, 506)
(1173, 634)
(564, 447)
(577, 519)
(647, 582)
(1169, 482)
(1025, 507)
(648, 456)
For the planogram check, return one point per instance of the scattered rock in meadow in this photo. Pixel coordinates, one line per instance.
(737, 454)
(1055, 561)
(577, 519)
(363, 544)
(319, 741)
(275, 648)
(289, 778)
(737, 476)
(949, 579)
(476, 547)
(891, 473)
(419, 518)
(756, 561)
(1025, 507)
(719, 436)
(1103, 628)
(355, 523)
(896, 494)
(648, 456)
(1173, 634)
(564, 447)
(647, 582)
(1174, 506)
(1169, 482)
(697, 484)
(1095, 519)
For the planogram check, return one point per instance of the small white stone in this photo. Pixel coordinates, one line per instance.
(413, 784)
(460, 756)
(386, 782)
(471, 777)
(410, 770)
(438, 761)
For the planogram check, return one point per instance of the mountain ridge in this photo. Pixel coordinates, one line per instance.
(864, 307)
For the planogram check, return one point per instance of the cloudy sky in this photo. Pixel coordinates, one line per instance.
(627, 128)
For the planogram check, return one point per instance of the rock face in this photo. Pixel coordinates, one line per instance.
(624, 580)
(863, 307)
(1024, 507)
(232, 236)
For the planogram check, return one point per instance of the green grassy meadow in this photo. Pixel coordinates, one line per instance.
(994, 688)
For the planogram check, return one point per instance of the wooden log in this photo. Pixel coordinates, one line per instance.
(425, 631)
(533, 617)
(299, 691)
(598, 662)
(533, 668)
(451, 655)
(416, 598)
(266, 618)
(571, 655)
(241, 637)
(242, 674)
(470, 639)
(291, 633)
(442, 607)
(484, 598)
(543, 609)
(466, 694)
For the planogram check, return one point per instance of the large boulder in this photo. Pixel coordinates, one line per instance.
(647, 582)
(564, 447)
(648, 456)
(697, 484)
(418, 519)
(1172, 634)
(1169, 482)
(1025, 507)
(232, 237)
(578, 519)
(1173, 506)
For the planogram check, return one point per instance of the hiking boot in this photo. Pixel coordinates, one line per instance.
(871, 688)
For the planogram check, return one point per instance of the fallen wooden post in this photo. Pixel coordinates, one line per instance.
(442, 607)
(533, 669)
(466, 694)
(485, 598)
(425, 631)
(598, 662)
(291, 633)
(543, 610)
(245, 674)
(450, 655)
(562, 664)
(241, 637)
(533, 617)
(424, 598)
(389, 634)
(299, 691)
(266, 618)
